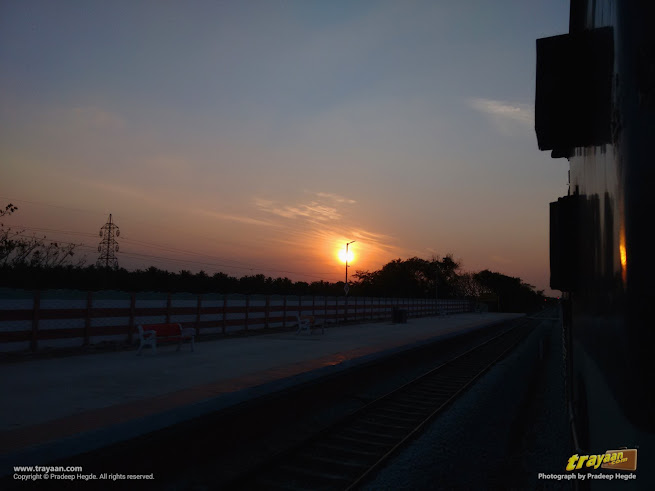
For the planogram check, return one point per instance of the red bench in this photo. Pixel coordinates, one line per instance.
(150, 333)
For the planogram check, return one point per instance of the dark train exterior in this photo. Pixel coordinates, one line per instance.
(595, 105)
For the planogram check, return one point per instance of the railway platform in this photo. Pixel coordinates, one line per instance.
(56, 408)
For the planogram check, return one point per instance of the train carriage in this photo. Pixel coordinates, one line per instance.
(595, 106)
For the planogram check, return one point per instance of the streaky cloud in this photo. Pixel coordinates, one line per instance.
(504, 110)
(237, 218)
(312, 211)
(336, 197)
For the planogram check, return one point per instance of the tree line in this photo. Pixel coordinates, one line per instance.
(35, 263)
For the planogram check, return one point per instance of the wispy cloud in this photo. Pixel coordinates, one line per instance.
(236, 218)
(313, 211)
(336, 198)
(367, 236)
(321, 227)
(503, 112)
(324, 240)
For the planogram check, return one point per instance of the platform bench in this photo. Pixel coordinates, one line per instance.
(306, 323)
(150, 333)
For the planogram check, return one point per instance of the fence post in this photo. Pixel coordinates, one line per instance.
(87, 317)
(284, 312)
(224, 314)
(247, 310)
(168, 308)
(325, 311)
(268, 311)
(35, 320)
(130, 328)
(314, 307)
(198, 314)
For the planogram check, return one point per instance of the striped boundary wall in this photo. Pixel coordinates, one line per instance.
(66, 318)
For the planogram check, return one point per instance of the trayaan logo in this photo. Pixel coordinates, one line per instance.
(623, 459)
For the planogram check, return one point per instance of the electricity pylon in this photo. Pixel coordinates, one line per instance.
(108, 245)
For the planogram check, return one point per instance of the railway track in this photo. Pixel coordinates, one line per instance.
(346, 454)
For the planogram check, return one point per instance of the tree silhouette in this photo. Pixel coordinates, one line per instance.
(18, 250)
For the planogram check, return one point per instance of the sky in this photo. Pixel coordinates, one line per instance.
(261, 136)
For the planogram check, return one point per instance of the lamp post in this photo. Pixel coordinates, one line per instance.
(345, 286)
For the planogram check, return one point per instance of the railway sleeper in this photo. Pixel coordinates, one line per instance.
(389, 422)
(343, 450)
(432, 389)
(370, 445)
(383, 427)
(411, 408)
(427, 399)
(384, 436)
(395, 415)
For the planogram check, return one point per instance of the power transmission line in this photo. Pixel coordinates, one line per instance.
(237, 265)
(52, 205)
(165, 259)
(65, 232)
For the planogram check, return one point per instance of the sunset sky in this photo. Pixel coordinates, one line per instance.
(261, 136)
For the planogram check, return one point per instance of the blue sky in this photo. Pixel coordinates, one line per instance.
(265, 134)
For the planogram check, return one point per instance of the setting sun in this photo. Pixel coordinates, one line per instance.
(343, 257)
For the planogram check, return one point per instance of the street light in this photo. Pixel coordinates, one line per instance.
(345, 288)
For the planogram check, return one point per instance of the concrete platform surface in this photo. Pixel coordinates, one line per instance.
(54, 408)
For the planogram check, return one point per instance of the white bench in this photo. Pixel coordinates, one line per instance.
(306, 323)
(150, 333)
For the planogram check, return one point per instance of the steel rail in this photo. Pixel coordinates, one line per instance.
(345, 455)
